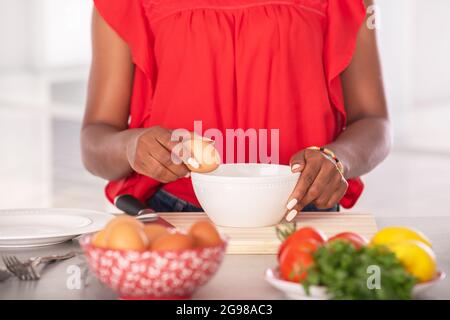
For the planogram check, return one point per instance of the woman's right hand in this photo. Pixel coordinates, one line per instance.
(149, 152)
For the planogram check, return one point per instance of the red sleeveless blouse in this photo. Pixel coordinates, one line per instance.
(262, 64)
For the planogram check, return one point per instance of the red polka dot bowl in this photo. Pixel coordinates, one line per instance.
(152, 274)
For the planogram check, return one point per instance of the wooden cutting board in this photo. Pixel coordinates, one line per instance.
(265, 241)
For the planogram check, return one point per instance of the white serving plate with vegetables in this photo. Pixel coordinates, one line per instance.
(296, 291)
(397, 264)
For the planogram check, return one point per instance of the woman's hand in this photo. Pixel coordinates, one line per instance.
(320, 182)
(150, 153)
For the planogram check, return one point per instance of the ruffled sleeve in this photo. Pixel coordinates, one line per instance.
(127, 18)
(345, 18)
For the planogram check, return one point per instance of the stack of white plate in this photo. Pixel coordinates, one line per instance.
(42, 227)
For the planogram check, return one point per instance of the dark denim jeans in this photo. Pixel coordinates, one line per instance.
(163, 201)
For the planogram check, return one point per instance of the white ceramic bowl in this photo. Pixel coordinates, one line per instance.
(245, 195)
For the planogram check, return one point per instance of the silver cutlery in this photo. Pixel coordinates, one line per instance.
(28, 270)
(4, 275)
(20, 269)
(133, 207)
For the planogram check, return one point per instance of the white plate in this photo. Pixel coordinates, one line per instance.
(296, 291)
(43, 227)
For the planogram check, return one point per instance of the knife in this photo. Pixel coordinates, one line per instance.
(133, 207)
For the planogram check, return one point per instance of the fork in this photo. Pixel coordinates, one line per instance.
(20, 269)
(28, 270)
(4, 274)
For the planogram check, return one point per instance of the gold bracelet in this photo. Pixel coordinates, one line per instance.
(330, 154)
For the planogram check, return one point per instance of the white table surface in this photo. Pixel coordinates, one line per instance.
(240, 276)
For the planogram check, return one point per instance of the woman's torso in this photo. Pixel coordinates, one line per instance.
(256, 65)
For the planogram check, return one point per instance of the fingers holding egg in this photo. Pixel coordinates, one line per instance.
(203, 156)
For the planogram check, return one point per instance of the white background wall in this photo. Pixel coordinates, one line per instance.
(62, 37)
(431, 52)
(14, 26)
(39, 34)
(415, 51)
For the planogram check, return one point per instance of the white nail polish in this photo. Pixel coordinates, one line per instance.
(193, 163)
(200, 137)
(295, 167)
(291, 204)
(207, 139)
(291, 215)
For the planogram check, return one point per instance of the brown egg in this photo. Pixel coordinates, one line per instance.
(204, 153)
(127, 236)
(124, 219)
(173, 241)
(154, 231)
(100, 239)
(205, 234)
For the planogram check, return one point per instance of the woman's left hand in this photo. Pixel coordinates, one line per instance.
(320, 182)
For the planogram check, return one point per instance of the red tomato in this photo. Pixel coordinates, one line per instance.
(300, 234)
(296, 259)
(355, 239)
